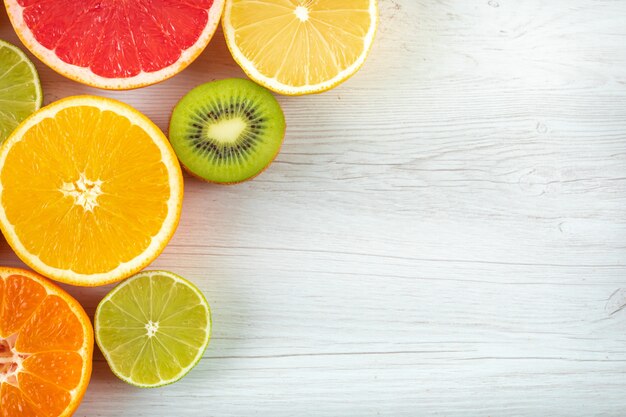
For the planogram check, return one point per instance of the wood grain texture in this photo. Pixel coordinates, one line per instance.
(444, 234)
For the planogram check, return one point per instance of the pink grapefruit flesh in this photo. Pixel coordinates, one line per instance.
(116, 44)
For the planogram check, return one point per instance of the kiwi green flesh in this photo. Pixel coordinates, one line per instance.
(227, 131)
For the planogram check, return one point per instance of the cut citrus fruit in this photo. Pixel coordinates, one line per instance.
(116, 44)
(153, 328)
(20, 91)
(300, 46)
(46, 345)
(90, 191)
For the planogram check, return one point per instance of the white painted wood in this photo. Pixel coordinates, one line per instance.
(444, 234)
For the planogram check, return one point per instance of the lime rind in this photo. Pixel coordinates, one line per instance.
(20, 88)
(122, 333)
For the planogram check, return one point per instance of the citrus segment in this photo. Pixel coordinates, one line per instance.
(59, 368)
(14, 403)
(300, 46)
(52, 400)
(20, 91)
(21, 296)
(153, 328)
(45, 356)
(52, 327)
(90, 191)
(116, 44)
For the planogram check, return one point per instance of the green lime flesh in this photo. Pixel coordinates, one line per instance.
(227, 131)
(20, 90)
(153, 328)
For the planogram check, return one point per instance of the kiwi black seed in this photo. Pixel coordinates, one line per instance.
(227, 131)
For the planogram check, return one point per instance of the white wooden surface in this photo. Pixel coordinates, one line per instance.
(445, 234)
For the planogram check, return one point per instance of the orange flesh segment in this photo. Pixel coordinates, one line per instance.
(59, 368)
(86, 144)
(51, 400)
(52, 327)
(14, 404)
(21, 296)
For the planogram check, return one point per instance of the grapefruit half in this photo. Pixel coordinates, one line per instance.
(116, 44)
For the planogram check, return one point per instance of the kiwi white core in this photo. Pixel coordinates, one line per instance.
(84, 191)
(227, 130)
(302, 13)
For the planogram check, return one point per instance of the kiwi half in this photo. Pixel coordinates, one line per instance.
(227, 131)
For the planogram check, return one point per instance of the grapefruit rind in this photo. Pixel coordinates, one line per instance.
(289, 90)
(201, 351)
(174, 204)
(86, 350)
(86, 76)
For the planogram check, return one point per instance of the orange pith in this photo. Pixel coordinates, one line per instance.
(46, 346)
(90, 191)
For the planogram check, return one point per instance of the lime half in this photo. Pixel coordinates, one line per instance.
(20, 90)
(153, 328)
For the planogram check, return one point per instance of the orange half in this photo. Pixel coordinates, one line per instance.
(90, 191)
(46, 346)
